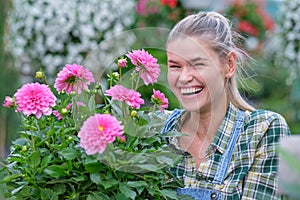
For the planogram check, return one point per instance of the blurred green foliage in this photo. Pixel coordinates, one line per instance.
(9, 79)
(273, 93)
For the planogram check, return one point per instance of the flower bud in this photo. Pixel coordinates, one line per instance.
(39, 75)
(122, 62)
(133, 113)
(116, 75)
(64, 111)
(9, 102)
(121, 138)
(24, 148)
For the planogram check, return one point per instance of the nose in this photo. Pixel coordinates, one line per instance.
(186, 74)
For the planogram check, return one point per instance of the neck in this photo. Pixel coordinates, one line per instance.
(208, 120)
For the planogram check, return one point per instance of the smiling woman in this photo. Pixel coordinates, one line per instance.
(229, 146)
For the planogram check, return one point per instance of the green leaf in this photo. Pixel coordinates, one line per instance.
(168, 193)
(95, 178)
(91, 104)
(60, 188)
(18, 189)
(109, 183)
(70, 129)
(165, 159)
(136, 183)
(92, 165)
(79, 178)
(148, 167)
(10, 178)
(127, 191)
(121, 196)
(69, 153)
(142, 122)
(55, 171)
(98, 196)
(46, 160)
(47, 194)
(20, 142)
(34, 160)
(140, 189)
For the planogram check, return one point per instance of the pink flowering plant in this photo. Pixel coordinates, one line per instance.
(72, 146)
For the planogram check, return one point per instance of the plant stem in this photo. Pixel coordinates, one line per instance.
(154, 108)
(120, 75)
(62, 130)
(137, 82)
(103, 95)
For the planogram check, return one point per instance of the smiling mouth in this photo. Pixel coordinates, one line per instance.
(190, 91)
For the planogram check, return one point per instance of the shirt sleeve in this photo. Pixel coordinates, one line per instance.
(261, 180)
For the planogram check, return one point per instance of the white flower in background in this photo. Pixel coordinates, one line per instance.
(289, 38)
(49, 34)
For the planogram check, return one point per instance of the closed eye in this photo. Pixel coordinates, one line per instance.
(199, 64)
(174, 66)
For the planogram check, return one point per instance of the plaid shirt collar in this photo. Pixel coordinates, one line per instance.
(224, 132)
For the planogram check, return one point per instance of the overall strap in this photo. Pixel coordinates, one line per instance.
(226, 157)
(172, 120)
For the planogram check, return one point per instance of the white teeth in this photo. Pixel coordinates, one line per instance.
(189, 91)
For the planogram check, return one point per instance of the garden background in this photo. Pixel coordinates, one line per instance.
(275, 85)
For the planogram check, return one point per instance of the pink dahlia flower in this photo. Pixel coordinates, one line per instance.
(97, 131)
(129, 96)
(35, 98)
(159, 99)
(73, 78)
(8, 102)
(146, 64)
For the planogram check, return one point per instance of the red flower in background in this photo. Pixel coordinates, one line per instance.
(249, 17)
(170, 3)
(246, 27)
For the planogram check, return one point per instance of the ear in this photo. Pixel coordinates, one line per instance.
(230, 65)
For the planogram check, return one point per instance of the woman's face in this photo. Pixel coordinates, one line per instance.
(196, 74)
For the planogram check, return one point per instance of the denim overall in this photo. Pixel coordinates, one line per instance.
(201, 193)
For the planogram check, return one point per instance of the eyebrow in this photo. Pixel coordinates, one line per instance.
(197, 59)
(173, 61)
(191, 61)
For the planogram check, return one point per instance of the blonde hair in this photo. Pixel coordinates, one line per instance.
(223, 39)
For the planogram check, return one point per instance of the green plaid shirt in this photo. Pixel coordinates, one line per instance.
(253, 167)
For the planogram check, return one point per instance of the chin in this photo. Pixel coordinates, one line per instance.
(195, 106)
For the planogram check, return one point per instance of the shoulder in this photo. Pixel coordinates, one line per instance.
(264, 115)
(265, 118)
(267, 124)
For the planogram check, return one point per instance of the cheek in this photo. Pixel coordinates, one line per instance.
(171, 78)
